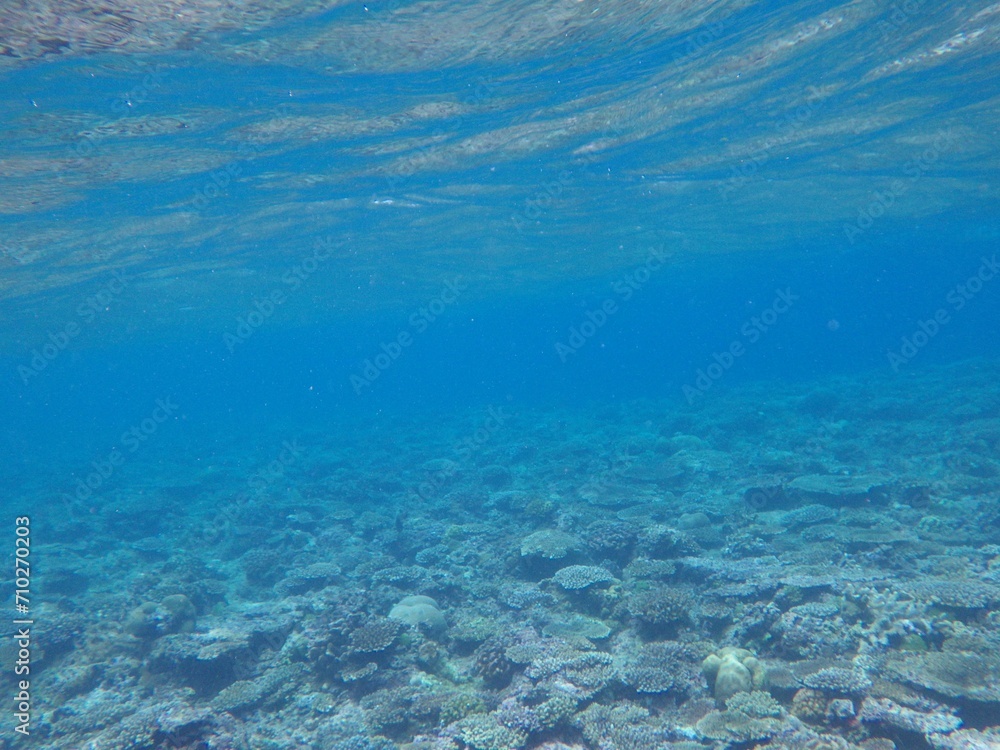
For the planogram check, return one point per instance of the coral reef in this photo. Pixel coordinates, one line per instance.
(601, 582)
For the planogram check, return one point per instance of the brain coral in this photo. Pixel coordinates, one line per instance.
(419, 611)
(733, 670)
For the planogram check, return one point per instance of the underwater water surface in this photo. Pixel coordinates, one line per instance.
(560, 375)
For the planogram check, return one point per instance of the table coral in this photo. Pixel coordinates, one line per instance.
(577, 577)
(661, 668)
(838, 681)
(885, 711)
(748, 717)
(956, 674)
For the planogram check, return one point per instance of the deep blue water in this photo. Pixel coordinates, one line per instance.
(851, 309)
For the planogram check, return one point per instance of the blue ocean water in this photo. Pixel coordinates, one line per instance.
(654, 345)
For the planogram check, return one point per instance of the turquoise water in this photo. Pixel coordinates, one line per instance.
(655, 344)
